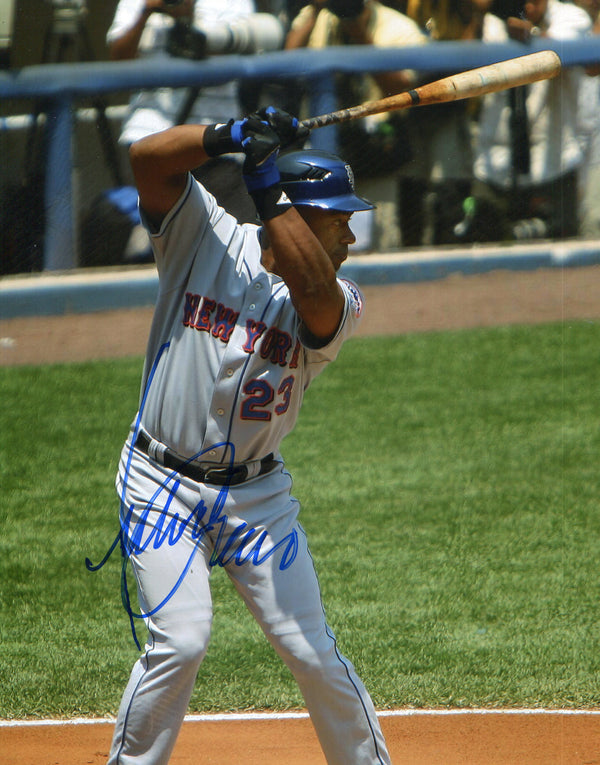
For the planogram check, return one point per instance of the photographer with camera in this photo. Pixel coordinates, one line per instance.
(527, 153)
(376, 147)
(435, 182)
(193, 29)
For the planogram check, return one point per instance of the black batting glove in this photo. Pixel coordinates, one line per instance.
(259, 142)
(251, 135)
(290, 131)
(218, 139)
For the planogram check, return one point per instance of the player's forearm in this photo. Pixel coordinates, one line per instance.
(161, 162)
(300, 259)
(307, 270)
(170, 152)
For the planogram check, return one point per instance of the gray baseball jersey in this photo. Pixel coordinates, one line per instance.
(228, 359)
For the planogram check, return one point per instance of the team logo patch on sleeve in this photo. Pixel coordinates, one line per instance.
(356, 300)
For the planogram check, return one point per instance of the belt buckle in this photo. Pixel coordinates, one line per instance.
(222, 476)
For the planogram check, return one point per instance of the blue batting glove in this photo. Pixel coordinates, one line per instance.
(262, 177)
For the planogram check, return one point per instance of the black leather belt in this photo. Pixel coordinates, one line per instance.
(225, 476)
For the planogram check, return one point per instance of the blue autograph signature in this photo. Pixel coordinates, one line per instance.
(157, 525)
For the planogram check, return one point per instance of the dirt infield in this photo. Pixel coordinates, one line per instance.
(475, 738)
(413, 739)
(500, 297)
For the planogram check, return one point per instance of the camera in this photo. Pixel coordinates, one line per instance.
(346, 9)
(254, 34)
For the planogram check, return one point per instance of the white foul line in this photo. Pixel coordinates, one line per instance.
(257, 716)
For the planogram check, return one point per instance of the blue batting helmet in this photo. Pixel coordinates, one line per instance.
(319, 179)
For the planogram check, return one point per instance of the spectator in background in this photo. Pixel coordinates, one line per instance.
(191, 29)
(375, 147)
(145, 28)
(530, 189)
(435, 182)
(589, 125)
(283, 93)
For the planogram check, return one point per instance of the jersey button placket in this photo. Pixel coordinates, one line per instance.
(257, 288)
(232, 364)
(226, 383)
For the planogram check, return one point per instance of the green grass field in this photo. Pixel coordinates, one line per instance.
(449, 489)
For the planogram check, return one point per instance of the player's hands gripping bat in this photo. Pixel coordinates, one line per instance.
(252, 135)
(290, 130)
(259, 136)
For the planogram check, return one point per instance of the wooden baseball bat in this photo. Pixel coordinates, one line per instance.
(511, 73)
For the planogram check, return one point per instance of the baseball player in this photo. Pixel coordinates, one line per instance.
(246, 317)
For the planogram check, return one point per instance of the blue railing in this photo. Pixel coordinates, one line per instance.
(63, 85)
